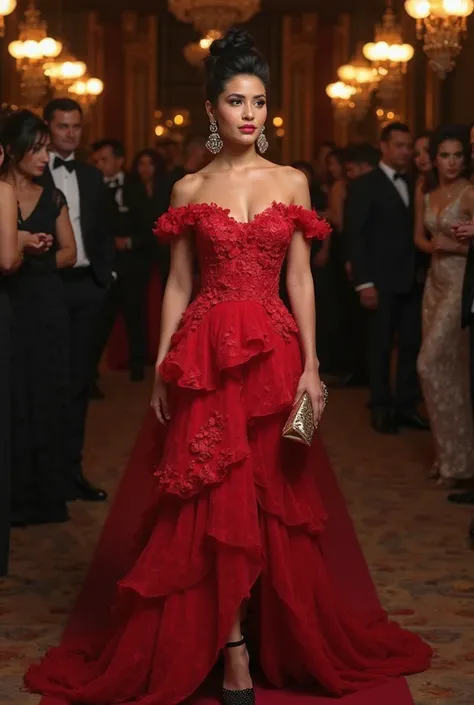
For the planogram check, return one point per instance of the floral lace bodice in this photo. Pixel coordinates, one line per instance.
(240, 261)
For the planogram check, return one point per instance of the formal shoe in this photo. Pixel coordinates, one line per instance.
(95, 392)
(237, 697)
(462, 497)
(84, 489)
(383, 421)
(413, 420)
(137, 375)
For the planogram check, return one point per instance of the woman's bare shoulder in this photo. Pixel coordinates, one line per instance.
(6, 190)
(8, 198)
(184, 190)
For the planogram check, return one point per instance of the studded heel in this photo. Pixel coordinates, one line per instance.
(237, 697)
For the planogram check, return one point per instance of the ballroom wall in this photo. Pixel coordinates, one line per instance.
(140, 58)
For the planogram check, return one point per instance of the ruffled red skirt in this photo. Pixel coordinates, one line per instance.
(233, 506)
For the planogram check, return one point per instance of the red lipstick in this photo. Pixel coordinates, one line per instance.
(248, 129)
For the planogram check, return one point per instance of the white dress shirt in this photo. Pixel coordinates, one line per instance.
(402, 188)
(117, 181)
(67, 182)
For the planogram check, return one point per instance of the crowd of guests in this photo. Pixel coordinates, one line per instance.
(400, 264)
(77, 251)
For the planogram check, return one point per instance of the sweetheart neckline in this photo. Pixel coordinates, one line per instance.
(226, 211)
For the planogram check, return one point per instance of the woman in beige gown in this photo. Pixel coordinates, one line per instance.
(443, 363)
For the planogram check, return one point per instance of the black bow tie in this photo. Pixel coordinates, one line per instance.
(70, 165)
(113, 184)
(399, 175)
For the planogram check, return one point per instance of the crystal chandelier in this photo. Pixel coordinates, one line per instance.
(342, 101)
(442, 25)
(363, 77)
(30, 50)
(64, 72)
(6, 8)
(196, 52)
(390, 55)
(86, 91)
(217, 15)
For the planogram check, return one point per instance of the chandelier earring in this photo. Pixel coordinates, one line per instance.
(262, 142)
(214, 142)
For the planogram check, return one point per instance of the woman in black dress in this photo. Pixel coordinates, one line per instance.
(9, 261)
(40, 327)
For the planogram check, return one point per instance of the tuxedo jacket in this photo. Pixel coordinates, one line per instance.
(96, 219)
(379, 229)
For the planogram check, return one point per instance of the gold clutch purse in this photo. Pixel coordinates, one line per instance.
(300, 425)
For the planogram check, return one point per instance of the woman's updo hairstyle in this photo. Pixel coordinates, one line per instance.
(233, 55)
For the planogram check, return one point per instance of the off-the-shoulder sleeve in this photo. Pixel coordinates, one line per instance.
(174, 222)
(309, 222)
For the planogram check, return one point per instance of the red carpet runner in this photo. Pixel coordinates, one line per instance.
(339, 543)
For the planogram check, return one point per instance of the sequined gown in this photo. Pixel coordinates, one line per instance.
(234, 503)
(443, 363)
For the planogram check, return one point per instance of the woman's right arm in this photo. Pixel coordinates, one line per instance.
(177, 295)
(421, 241)
(179, 286)
(10, 258)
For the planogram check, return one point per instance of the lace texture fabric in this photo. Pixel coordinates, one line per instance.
(233, 503)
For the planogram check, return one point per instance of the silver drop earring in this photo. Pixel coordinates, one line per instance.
(262, 142)
(214, 142)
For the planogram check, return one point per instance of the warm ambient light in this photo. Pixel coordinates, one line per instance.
(382, 51)
(278, 121)
(47, 48)
(178, 119)
(65, 70)
(159, 130)
(421, 9)
(340, 91)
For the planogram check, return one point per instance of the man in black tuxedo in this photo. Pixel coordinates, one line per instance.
(359, 159)
(134, 251)
(85, 284)
(379, 227)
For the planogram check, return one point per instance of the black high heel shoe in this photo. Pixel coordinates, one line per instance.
(237, 697)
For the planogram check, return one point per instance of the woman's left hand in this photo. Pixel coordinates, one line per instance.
(442, 243)
(311, 383)
(464, 230)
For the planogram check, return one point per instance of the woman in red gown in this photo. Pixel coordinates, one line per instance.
(235, 505)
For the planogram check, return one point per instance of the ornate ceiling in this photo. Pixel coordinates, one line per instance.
(327, 8)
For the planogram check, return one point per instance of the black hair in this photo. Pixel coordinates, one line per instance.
(426, 134)
(67, 105)
(158, 163)
(363, 153)
(448, 133)
(21, 132)
(233, 55)
(115, 145)
(305, 166)
(392, 127)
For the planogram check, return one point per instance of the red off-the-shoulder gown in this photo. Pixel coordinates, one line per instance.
(234, 503)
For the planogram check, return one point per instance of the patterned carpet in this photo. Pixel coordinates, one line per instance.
(413, 539)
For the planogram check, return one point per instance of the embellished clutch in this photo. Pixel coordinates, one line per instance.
(300, 425)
